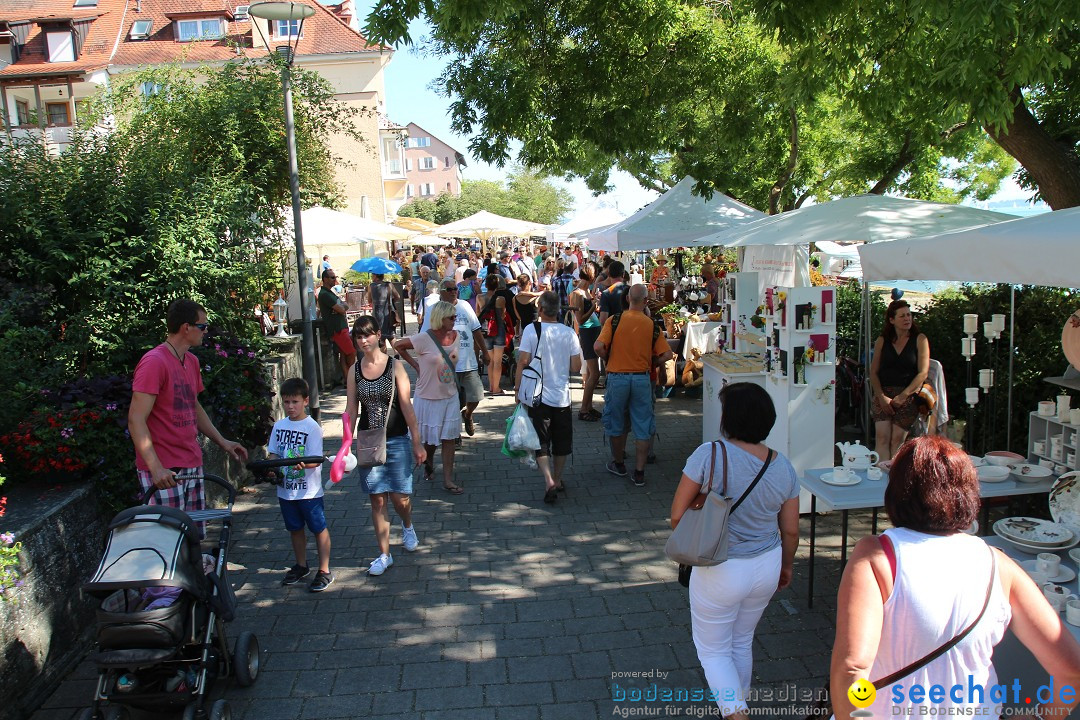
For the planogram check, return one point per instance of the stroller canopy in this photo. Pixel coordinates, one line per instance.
(151, 546)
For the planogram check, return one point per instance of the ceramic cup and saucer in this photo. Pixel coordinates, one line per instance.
(842, 477)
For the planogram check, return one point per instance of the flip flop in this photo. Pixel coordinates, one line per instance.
(454, 489)
(551, 496)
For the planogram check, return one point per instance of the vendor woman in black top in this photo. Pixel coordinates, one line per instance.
(899, 368)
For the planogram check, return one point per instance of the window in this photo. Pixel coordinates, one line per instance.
(408, 164)
(22, 112)
(150, 88)
(61, 46)
(240, 14)
(408, 190)
(86, 3)
(419, 142)
(205, 29)
(427, 189)
(57, 113)
(140, 29)
(446, 160)
(427, 163)
(447, 187)
(287, 28)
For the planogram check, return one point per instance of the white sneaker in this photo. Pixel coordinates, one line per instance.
(379, 565)
(409, 539)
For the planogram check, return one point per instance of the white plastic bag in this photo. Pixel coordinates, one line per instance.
(522, 434)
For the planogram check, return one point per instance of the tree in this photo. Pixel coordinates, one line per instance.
(665, 89)
(1007, 67)
(526, 196)
(184, 196)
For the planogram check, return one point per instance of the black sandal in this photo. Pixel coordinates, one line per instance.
(551, 496)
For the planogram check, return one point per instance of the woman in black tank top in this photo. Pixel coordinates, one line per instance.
(379, 395)
(897, 372)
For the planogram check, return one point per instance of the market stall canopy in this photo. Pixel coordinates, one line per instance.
(415, 224)
(325, 227)
(485, 225)
(678, 218)
(862, 218)
(593, 216)
(425, 240)
(1037, 250)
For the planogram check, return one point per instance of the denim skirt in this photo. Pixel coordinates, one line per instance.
(396, 475)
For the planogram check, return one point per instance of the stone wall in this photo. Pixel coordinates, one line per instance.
(48, 630)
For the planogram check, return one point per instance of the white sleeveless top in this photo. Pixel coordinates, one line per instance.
(939, 589)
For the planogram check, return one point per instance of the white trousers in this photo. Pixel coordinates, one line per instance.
(726, 602)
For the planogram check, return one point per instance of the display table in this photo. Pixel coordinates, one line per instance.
(1011, 659)
(871, 494)
(701, 336)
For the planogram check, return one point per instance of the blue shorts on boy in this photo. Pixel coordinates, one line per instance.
(300, 494)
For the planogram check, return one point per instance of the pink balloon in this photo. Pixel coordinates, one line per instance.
(337, 468)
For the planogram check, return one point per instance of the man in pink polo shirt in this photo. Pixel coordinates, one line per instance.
(166, 418)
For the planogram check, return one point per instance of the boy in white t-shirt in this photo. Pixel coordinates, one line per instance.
(300, 495)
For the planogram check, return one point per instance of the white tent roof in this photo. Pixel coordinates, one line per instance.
(594, 216)
(677, 218)
(1037, 250)
(865, 218)
(332, 228)
(486, 225)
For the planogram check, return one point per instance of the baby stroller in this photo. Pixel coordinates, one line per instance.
(161, 622)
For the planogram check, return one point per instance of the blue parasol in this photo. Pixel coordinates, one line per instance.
(376, 265)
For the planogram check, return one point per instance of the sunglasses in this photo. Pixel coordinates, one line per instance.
(450, 289)
(201, 326)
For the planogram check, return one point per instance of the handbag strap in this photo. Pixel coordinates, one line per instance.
(393, 392)
(757, 479)
(446, 357)
(942, 649)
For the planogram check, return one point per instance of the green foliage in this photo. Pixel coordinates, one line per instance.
(183, 196)
(9, 557)
(240, 404)
(1040, 314)
(526, 196)
(664, 89)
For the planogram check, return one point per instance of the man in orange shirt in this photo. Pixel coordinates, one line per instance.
(631, 347)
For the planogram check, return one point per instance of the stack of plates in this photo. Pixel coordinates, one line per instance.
(1065, 501)
(1034, 535)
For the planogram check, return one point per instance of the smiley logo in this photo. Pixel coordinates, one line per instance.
(861, 693)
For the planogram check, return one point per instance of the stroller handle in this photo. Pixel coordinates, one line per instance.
(229, 488)
(284, 462)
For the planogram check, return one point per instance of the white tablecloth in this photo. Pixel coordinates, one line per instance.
(701, 335)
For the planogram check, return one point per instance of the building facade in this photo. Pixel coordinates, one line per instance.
(431, 166)
(55, 54)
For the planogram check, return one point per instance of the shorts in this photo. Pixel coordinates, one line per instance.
(498, 341)
(188, 495)
(342, 340)
(472, 390)
(395, 475)
(307, 511)
(903, 418)
(631, 393)
(589, 336)
(555, 428)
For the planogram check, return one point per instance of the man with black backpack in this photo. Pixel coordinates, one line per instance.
(632, 345)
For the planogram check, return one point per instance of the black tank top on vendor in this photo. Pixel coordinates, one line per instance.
(899, 369)
(372, 398)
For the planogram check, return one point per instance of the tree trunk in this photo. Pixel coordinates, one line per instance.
(903, 159)
(1052, 165)
(789, 170)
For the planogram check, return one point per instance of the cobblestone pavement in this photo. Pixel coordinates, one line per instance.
(510, 608)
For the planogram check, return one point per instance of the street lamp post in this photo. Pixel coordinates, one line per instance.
(294, 11)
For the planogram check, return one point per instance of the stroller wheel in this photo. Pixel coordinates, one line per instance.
(220, 711)
(246, 659)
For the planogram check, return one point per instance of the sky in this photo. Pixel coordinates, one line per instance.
(409, 98)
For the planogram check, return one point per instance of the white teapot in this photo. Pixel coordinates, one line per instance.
(858, 456)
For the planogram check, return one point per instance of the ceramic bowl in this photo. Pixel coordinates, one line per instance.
(976, 460)
(1003, 457)
(993, 473)
(1075, 555)
(1028, 473)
